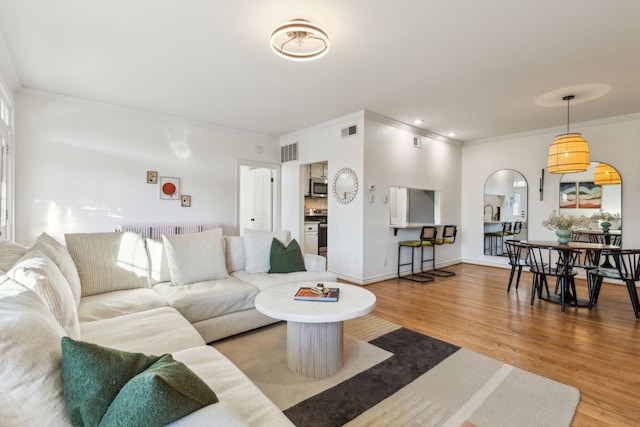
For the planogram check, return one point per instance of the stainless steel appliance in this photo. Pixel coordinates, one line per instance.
(318, 187)
(319, 217)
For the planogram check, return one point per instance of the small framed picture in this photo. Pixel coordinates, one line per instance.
(169, 188)
(152, 177)
(186, 200)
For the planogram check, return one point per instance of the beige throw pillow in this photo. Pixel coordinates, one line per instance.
(38, 273)
(109, 262)
(257, 248)
(195, 257)
(59, 254)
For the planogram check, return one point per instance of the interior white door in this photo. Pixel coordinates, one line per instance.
(261, 218)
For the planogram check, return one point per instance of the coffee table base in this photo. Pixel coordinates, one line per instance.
(314, 349)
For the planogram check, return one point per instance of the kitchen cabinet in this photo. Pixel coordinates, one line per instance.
(305, 173)
(319, 170)
(311, 237)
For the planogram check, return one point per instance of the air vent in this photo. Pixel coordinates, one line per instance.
(417, 142)
(289, 152)
(350, 131)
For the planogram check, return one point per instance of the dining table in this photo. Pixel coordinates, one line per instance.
(565, 262)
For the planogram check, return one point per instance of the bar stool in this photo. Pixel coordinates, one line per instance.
(499, 236)
(449, 233)
(425, 236)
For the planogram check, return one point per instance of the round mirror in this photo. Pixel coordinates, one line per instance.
(505, 210)
(594, 193)
(345, 185)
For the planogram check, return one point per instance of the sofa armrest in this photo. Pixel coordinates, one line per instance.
(313, 262)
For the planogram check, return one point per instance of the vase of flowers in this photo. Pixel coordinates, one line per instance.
(605, 219)
(563, 224)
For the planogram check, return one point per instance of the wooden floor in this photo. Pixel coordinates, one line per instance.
(596, 351)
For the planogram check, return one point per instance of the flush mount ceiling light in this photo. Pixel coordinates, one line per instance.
(299, 40)
(569, 153)
(605, 174)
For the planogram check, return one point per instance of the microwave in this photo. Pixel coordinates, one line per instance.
(318, 187)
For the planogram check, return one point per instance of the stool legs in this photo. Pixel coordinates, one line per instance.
(413, 276)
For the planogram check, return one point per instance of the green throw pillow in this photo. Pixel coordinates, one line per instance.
(286, 259)
(108, 387)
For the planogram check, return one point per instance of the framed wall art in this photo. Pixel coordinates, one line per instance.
(152, 177)
(186, 200)
(169, 188)
(589, 195)
(568, 195)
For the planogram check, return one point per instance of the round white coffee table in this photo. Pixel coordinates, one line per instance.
(314, 328)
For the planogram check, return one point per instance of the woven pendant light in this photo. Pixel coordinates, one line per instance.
(605, 174)
(569, 153)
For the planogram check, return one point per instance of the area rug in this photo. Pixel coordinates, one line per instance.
(393, 376)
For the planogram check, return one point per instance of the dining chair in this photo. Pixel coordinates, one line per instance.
(626, 268)
(547, 262)
(517, 253)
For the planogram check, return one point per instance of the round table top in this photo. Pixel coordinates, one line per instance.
(277, 302)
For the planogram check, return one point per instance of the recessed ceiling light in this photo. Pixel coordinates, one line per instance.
(452, 133)
(418, 121)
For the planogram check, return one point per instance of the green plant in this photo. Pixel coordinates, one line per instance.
(565, 222)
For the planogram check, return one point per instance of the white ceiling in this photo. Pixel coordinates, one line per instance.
(475, 67)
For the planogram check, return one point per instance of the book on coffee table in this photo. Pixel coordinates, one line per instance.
(316, 294)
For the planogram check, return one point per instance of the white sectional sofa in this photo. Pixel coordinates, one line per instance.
(122, 292)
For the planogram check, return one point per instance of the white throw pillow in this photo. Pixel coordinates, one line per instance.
(59, 254)
(257, 248)
(234, 253)
(109, 261)
(158, 262)
(30, 373)
(10, 252)
(195, 257)
(38, 273)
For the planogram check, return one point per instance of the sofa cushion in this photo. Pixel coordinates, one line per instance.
(118, 303)
(257, 248)
(10, 252)
(211, 298)
(223, 413)
(263, 281)
(285, 258)
(234, 253)
(38, 273)
(111, 387)
(195, 257)
(59, 254)
(232, 386)
(158, 262)
(157, 331)
(30, 375)
(109, 261)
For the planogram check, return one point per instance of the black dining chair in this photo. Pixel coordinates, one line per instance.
(547, 262)
(626, 268)
(517, 253)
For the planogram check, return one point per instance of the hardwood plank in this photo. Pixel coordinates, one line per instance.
(595, 351)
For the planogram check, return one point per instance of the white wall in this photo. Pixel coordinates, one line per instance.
(392, 160)
(362, 247)
(345, 228)
(81, 166)
(614, 141)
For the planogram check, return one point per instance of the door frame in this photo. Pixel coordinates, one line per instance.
(275, 206)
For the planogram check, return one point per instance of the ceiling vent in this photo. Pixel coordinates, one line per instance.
(350, 131)
(289, 152)
(417, 142)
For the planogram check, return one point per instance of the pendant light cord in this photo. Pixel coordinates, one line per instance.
(568, 98)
